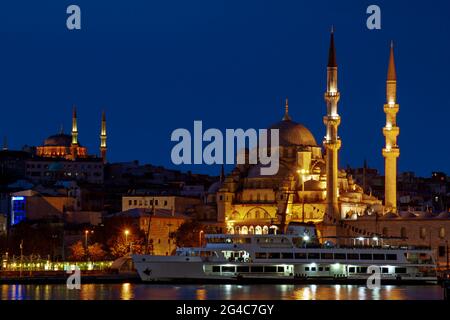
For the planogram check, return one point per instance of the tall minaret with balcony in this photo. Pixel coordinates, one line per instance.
(74, 147)
(332, 143)
(391, 151)
(103, 138)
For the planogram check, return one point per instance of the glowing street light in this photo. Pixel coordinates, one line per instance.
(126, 232)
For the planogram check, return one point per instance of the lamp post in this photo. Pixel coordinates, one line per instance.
(126, 232)
(200, 237)
(170, 245)
(302, 172)
(86, 233)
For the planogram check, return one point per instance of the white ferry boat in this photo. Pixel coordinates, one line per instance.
(295, 256)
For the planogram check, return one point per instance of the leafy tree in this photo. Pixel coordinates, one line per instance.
(189, 233)
(96, 252)
(77, 251)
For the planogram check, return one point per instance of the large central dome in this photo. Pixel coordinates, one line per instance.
(294, 134)
(60, 140)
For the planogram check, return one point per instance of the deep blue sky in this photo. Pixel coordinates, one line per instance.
(159, 65)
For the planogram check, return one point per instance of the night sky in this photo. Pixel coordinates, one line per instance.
(155, 66)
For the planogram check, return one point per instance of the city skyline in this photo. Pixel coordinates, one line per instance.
(242, 66)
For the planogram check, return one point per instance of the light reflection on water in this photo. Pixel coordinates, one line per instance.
(128, 291)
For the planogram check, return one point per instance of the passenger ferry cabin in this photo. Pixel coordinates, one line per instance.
(297, 255)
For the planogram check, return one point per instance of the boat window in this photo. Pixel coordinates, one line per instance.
(328, 256)
(340, 256)
(352, 256)
(243, 269)
(300, 255)
(216, 269)
(327, 268)
(384, 270)
(362, 269)
(391, 256)
(287, 255)
(366, 256)
(306, 268)
(313, 268)
(228, 269)
(257, 269)
(378, 256)
(280, 269)
(274, 255)
(313, 255)
(351, 269)
(400, 270)
(320, 268)
(261, 255)
(270, 269)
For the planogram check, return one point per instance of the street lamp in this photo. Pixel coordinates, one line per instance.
(86, 233)
(126, 232)
(302, 172)
(200, 237)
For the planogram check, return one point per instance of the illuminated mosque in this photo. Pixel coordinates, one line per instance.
(310, 188)
(67, 146)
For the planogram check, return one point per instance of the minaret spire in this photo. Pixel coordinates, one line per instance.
(391, 131)
(286, 111)
(103, 138)
(332, 51)
(332, 142)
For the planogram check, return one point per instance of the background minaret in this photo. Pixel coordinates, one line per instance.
(74, 127)
(103, 138)
(5, 143)
(74, 147)
(332, 143)
(391, 151)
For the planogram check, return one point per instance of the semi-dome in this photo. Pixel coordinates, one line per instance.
(293, 133)
(58, 140)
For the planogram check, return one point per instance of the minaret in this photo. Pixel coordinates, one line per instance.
(391, 151)
(103, 138)
(74, 147)
(332, 143)
(74, 127)
(5, 143)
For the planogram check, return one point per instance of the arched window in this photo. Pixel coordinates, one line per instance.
(403, 233)
(265, 230)
(265, 198)
(258, 197)
(251, 197)
(385, 231)
(244, 230)
(257, 214)
(442, 233)
(251, 230)
(258, 230)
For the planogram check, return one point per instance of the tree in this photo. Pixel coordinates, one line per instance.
(77, 251)
(190, 232)
(96, 252)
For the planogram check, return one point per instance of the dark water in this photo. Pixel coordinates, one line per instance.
(128, 291)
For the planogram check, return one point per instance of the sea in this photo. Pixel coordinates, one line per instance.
(141, 291)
